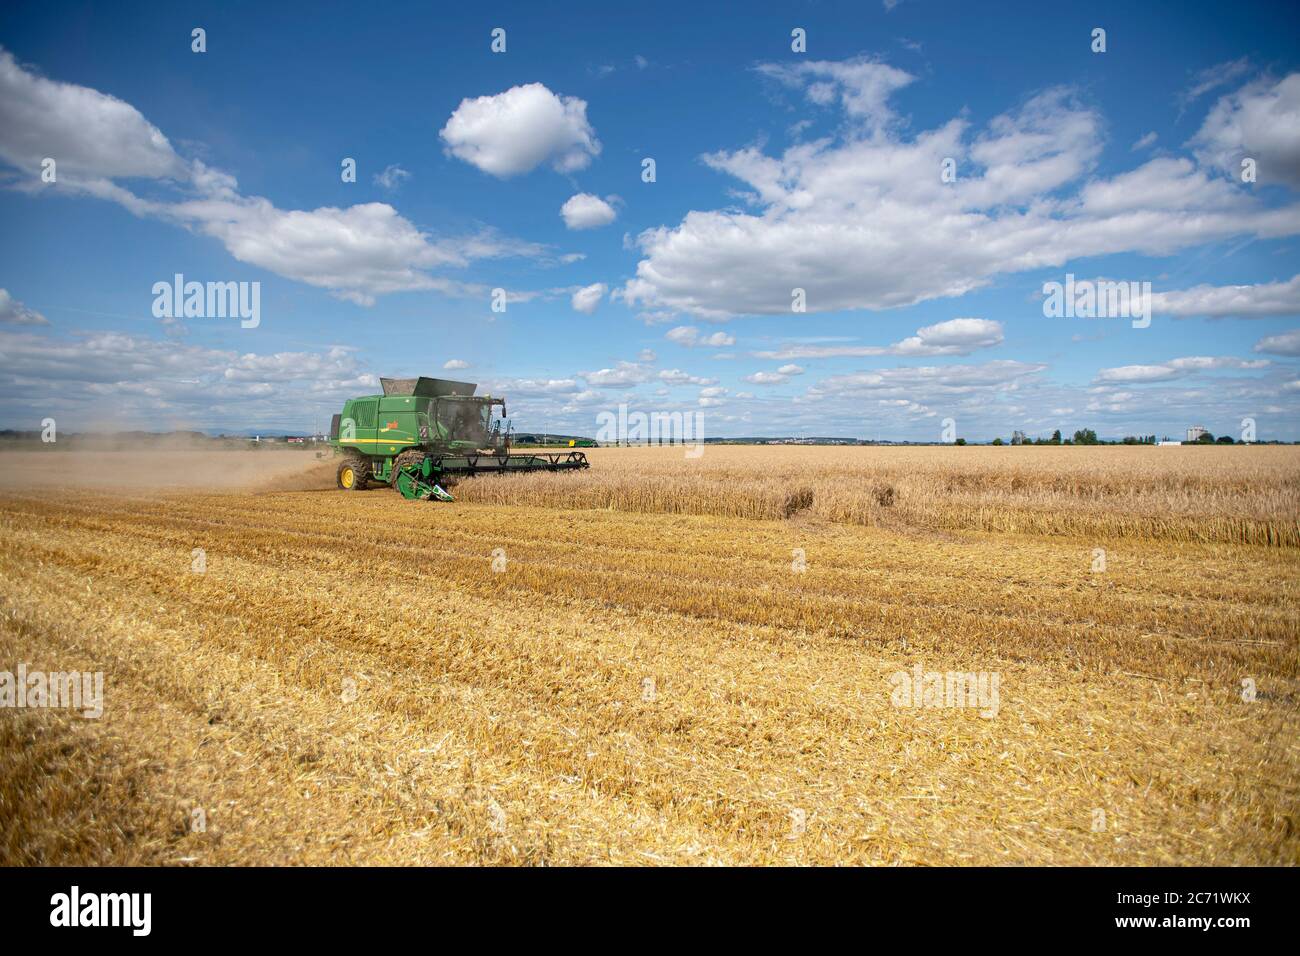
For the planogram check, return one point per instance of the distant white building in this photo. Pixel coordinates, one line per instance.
(1168, 443)
(1194, 433)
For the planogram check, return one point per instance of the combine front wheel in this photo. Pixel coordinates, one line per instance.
(413, 477)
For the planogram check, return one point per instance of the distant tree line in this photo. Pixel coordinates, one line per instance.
(1205, 438)
(1087, 436)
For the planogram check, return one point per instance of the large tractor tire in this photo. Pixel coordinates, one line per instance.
(412, 456)
(353, 474)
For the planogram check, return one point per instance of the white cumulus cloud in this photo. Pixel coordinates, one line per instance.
(861, 85)
(516, 131)
(110, 380)
(585, 211)
(13, 312)
(1176, 368)
(848, 219)
(623, 375)
(1261, 121)
(954, 337)
(1241, 301)
(768, 378)
(1288, 343)
(675, 376)
(93, 137)
(587, 299)
(712, 396)
(691, 337)
(356, 252)
(391, 177)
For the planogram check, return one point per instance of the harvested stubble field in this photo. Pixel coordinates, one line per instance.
(649, 679)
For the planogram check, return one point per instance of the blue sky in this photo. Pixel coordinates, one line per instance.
(774, 170)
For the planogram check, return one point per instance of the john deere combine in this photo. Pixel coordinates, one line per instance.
(423, 434)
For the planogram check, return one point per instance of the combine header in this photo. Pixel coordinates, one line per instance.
(425, 433)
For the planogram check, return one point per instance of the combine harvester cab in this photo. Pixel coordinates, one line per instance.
(423, 434)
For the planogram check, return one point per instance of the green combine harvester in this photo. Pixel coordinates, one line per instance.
(424, 434)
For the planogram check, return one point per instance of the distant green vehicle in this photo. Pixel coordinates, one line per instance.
(422, 434)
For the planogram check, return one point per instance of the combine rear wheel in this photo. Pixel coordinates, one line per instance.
(353, 473)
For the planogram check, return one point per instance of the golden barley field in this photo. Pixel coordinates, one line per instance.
(659, 661)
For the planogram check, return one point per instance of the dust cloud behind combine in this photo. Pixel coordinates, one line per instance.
(248, 471)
